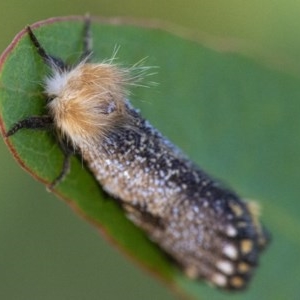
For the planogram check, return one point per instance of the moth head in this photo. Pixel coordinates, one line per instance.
(87, 101)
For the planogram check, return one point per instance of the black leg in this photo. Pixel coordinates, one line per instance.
(46, 122)
(35, 122)
(87, 40)
(50, 60)
(64, 171)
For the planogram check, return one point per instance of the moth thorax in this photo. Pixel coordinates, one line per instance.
(88, 101)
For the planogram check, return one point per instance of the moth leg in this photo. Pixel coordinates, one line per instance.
(45, 122)
(68, 152)
(51, 61)
(34, 122)
(87, 40)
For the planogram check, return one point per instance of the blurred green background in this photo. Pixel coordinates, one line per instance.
(42, 242)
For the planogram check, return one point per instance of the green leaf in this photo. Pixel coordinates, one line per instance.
(237, 119)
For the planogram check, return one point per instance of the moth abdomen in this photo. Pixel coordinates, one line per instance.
(205, 227)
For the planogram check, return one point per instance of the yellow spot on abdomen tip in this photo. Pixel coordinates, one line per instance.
(237, 282)
(243, 267)
(246, 246)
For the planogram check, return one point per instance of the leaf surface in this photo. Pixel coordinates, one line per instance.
(237, 119)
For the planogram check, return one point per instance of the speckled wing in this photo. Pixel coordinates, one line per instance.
(217, 239)
(206, 228)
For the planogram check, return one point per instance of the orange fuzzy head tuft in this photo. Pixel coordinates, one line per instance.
(88, 100)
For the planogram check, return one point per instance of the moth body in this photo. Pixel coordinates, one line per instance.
(181, 208)
(206, 228)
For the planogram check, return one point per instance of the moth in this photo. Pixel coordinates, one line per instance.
(206, 228)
